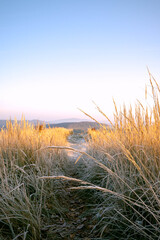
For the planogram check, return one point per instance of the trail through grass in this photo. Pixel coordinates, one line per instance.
(65, 184)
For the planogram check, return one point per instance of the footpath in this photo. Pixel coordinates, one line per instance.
(77, 223)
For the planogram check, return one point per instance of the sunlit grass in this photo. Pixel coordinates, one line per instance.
(129, 148)
(121, 172)
(27, 204)
(21, 143)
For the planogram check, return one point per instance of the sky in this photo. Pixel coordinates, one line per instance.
(57, 56)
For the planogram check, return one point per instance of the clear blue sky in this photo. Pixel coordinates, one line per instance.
(58, 55)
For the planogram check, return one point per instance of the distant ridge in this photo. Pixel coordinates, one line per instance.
(68, 120)
(82, 125)
(76, 125)
(34, 122)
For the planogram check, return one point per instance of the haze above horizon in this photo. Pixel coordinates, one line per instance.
(57, 56)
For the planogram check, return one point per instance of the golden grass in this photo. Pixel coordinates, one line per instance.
(130, 149)
(18, 135)
(121, 168)
(128, 155)
(20, 141)
(123, 163)
(24, 199)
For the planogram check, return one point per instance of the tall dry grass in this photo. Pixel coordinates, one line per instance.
(128, 154)
(121, 172)
(27, 204)
(20, 142)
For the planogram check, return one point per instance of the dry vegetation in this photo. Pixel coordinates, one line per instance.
(27, 205)
(119, 179)
(129, 156)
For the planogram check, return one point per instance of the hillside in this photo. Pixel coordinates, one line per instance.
(34, 122)
(84, 125)
(75, 125)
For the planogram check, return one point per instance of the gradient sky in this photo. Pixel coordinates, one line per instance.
(59, 55)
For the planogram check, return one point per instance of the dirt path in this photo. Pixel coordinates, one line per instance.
(77, 141)
(77, 221)
(77, 224)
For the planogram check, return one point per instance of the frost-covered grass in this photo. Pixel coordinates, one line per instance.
(127, 163)
(118, 183)
(27, 204)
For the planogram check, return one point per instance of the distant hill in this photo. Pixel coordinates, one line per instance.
(76, 125)
(34, 122)
(68, 120)
(83, 125)
(2, 123)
